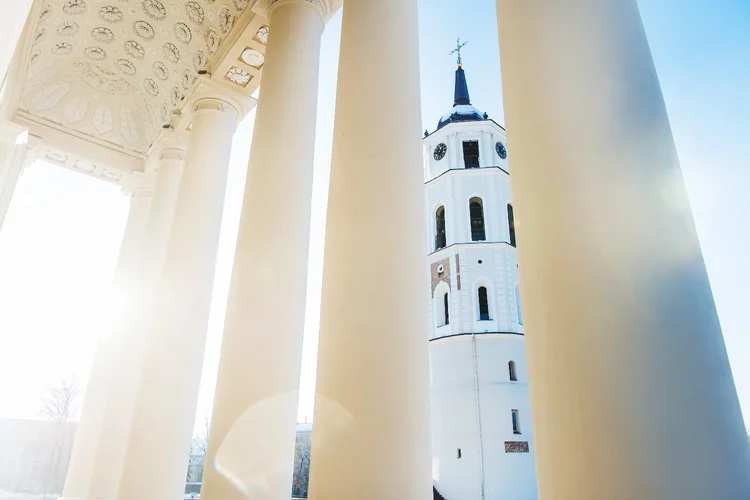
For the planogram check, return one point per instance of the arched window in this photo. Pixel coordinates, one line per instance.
(476, 213)
(440, 239)
(484, 307)
(519, 311)
(512, 371)
(511, 225)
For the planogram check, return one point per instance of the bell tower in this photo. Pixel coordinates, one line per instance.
(483, 447)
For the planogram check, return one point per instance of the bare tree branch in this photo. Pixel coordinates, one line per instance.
(198, 453)
(59, 404)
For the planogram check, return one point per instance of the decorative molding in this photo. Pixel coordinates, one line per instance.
(80, 153)
(516, 447)
(238, 76)
(128, 63)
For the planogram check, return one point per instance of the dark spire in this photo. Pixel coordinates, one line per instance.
(461, 94)
(462, 110)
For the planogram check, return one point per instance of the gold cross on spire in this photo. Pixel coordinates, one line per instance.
(457, 50)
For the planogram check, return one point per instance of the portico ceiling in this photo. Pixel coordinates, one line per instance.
(116, 70)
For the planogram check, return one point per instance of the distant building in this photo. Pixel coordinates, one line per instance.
(34, 455)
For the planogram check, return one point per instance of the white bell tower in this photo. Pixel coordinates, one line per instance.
(481, 418)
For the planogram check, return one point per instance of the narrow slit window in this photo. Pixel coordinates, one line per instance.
(458, 453)
(471, 154)
(512, 371)
(511, 226)
(484, 306)
(516, 423)
(446, 309)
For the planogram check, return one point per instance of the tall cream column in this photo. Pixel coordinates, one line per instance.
(109, 455)
(13, 145)
(255, 409)
(630, 384)
(159, 444)
(105, 366)
(372, 406)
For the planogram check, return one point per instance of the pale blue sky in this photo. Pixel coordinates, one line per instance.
(60, 242)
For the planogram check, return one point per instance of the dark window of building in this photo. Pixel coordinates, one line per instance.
(476, 214)
(471, 154)
(516, 423)
(458, 453)
(445, 306)
(511, 225)
(512, 371)
(440, 239)
(484, 308)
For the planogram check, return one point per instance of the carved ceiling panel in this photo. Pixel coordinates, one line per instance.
(117, 69)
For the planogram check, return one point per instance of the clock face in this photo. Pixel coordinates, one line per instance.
(440, 151)
(501, 151)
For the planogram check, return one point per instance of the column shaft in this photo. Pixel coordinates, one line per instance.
(631, 388)
(131, 344)
(160, 436)
(372, 407)
(103, 371)
(13, 141)
(255, 406)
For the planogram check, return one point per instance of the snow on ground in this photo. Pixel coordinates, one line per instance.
(9, 495)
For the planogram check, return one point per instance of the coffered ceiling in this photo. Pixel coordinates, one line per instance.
(116, 70)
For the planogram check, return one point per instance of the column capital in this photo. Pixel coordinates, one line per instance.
(225, 106)
(324, 8)
(210, 95)
(171, 153)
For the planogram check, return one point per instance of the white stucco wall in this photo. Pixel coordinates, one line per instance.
(455, 423)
